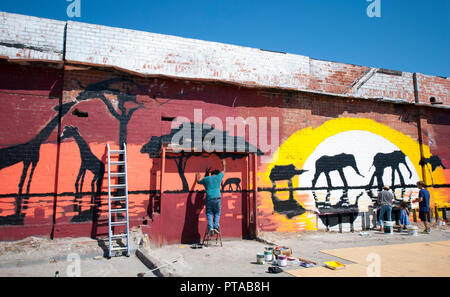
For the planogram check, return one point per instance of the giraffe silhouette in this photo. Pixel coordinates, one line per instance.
(382, 161)
(28, 154)
(88, 162)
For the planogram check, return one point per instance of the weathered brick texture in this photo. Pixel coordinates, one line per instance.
(26, 37)
(23, 37)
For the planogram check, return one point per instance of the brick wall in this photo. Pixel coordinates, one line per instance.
(24, 37)
(312, 127)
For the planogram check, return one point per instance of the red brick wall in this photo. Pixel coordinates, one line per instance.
(29, 94)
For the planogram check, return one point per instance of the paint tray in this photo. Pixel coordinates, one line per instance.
(306, 264)
(334, 265)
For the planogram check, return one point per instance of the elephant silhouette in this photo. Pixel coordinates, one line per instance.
(381, 161)
(435, 162)
(290, 208)
(284, 172)
(327, 164)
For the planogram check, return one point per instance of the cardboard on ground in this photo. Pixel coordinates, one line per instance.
(411, 259)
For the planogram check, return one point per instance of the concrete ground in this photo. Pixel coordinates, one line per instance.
(36, 256)
(238, 257)
(84, 257)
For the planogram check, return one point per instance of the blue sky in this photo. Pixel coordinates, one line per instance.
(410, 35)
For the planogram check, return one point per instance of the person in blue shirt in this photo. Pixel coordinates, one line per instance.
(424, 206)
(213, 198)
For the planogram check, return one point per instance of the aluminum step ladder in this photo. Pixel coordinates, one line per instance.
(120, 214)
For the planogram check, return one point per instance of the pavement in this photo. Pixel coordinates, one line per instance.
(85, 257)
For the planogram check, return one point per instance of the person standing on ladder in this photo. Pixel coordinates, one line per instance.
(213, 202)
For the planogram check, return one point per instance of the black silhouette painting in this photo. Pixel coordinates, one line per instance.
(435, 162)
(236, 181)
(153, 147)
(28, 154)
(290, 208)
(341, 213)
(327, 164)
(88, 162)
(125, 90)
(381, 161)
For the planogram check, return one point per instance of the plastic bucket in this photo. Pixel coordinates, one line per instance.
(268, 256)
(260, 258)
(389, 227)
(412, 230)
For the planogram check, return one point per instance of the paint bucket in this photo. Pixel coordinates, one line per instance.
(292, 261)
(412, 230)
(389, 227)
(259, 258)
(282, 260)
(268, 255)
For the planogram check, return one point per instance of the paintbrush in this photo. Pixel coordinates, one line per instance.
(141, 274)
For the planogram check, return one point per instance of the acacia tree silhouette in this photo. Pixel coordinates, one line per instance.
(153, 146)
(125, 90)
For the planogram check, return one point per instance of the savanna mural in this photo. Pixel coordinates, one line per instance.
(53, 155)
(339, 167)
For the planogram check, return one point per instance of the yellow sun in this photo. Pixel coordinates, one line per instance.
(300, 145)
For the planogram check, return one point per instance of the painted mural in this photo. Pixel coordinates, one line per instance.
(56, 174)
(119, 98)
(153, 149)
(28, 154)
(337, 168)
(70, 187)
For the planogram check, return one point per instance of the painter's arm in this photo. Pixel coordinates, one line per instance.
(197, 177)
(224, 166)
(418, 199)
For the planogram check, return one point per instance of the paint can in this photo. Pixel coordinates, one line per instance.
(268, 255)
(292, 261)
(389, 227)
(412, 230)
(259, 258)
(282, 260)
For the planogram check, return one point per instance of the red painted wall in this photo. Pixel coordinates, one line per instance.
(29, 94)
